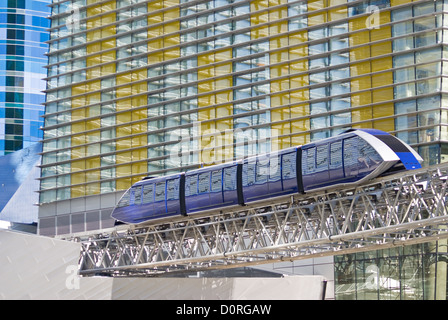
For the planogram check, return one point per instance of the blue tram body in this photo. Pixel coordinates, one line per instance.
(352, 157)
(212, 187)
(151, 199)
(270, 175)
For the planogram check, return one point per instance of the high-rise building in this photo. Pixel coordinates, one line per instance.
(139, 88)
(23, 34)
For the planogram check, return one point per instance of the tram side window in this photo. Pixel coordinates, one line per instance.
(367, 154)
(230, 178)
(274, 168)
(148, 193)
(350, 151)
(204, 182)
(125, 199)
(336, 155)
(262, 171)
(217, 180)
(322, 158)
(289, 165)
(308, 161)
(191, 185)
(160, 191)
(248, 173)
(138, 195)
(172, 189)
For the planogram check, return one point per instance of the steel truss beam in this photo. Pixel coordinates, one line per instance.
(402, 209)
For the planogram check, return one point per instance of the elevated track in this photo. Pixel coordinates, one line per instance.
(401, 209)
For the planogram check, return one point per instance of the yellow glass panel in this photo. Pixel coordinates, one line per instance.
(124, 157)
(360, 83)
(139, 154)
(155, 57)
(78, 152)
(172, 40)
(357, 23)
(155, 5)
(93, 163)
(383, 110)
(93, 73)
(206, 114)
(93, 188)
(362, 114)
(360, 68)
(108, 69)
(259, 32)
(360, 53)
(78, 191)
(204, 59)
(277, 28)
(225, 96)
(380, 34)
(298, 37)
(78, 140)
(381, 79)
(398, 2)
(77, 165)
(140, 168)
(223, 69)
(93, 47)
(384, 124)
(258, 5)
(78, 89)
(298, 52)
(223, 83)
(384, 94)
(78, 127)
(122, 105)
(206, 100)
(300, 125)
(381, 48)
(223, 55)
(382, 64)
(300, 139)
(78, 114)
(317, 19)
(171, 27)
(361, 98)
(171, 14)
(280, 114)
(363, 125)
(171, 54)
(298, 81)
(206, 72)
(339, 13)
(359, 38)
(316, 5)
(124, 183)
(300, 95)
(206, 86)
(279, 99)
(108, 44)
(155, 32)
(93, 124)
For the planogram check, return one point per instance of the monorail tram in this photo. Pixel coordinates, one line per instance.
(353, 157)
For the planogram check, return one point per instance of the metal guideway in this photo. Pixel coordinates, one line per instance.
(396, 210)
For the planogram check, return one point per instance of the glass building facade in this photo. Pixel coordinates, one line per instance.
(23, 31)
(152, 87)
(138, 87)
